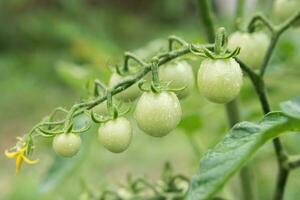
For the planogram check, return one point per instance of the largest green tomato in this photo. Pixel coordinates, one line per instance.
(157, 114)
(180, 75)
(128, 94)
(253, 47)
(220, 80)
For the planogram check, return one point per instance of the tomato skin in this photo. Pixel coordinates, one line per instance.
(220, 80)
(157, 114)
(180, 74)
(253, 47)
(66, 144)
(130, 93)
(115, 135)
(283, 9)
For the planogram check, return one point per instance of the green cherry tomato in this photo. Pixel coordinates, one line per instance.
(157, 114)
(179, 74)
(66, 144)
(253, 47)
(283, 9)
(130, 93)
(220, 80)
(115, 135)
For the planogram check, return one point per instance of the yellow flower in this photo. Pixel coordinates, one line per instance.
(19, 155)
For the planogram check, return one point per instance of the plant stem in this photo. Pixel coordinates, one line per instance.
(276, 32)
(281, 182)
(233, 113)
(207, 18)
(247, 187)
(240, 6)
(268, 55)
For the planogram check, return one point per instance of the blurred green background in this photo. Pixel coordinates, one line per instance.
(50, 48)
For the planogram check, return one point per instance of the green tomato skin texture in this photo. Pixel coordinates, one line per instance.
(181, 75)
(115, 135)
(157, 114)
(253, 47)
(220, 80)
(66, 144)
(130, 93)
(283, 9)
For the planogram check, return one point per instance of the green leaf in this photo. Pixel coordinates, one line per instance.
(291, 108)
(238, 146)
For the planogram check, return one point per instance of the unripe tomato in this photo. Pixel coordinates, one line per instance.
(253, 47)
(66, 144)
(180, 74)
(157, 114)
(220, 80)
(130, 93)
(115, 135)
(283, 9)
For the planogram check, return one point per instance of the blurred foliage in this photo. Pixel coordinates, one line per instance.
(50, 48)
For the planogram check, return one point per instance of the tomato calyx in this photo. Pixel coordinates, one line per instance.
(156, 86)
(114, 110)
(147, 86)
(220, 48)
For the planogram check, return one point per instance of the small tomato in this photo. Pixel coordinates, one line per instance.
(66, 144)
(157, 114)
(115, 135)
(253, 47)
(179, 74)
(220, 80)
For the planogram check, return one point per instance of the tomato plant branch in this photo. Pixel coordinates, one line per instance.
(262, 19)
(82, 107)
(276, 32)
(172, 39)
(207, 18)
(293, 164)
(128, 56)
(240, 5)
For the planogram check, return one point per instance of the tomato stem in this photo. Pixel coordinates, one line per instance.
(221, 41)
(127, 57)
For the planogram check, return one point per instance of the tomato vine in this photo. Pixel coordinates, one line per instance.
(115, 133)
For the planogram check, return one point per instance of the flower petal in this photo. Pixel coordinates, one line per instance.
(28, 161)
(19, 161)
(11, 154)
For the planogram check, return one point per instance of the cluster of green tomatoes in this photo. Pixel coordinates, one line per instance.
(158, 109)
